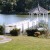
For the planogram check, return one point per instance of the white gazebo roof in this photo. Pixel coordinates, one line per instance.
(38, 10)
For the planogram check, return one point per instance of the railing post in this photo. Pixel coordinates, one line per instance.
(22, 28)
(28, 25)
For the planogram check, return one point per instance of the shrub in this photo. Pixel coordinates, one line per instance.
(15, 32)
(42, 24)
(31, 32)
(44, 27)
(1, 30)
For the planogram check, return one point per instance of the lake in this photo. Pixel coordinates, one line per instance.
(9, 19)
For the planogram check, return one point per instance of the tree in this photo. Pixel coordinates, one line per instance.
(0, 4)
(20, 6)
(6, 7)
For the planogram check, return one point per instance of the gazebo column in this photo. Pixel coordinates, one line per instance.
(33, 22)
(37, 17)
(43, 17)
(31, 15)
(47, 18)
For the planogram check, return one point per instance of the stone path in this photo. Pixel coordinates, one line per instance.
(4, 39)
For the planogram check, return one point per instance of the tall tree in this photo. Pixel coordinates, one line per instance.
(6, 7)
(21, 6)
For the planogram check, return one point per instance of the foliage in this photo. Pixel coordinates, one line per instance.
(15, 32)
(1, 30)
(43, 28)
(6, 7)
(42, 23)
(31, 32)
(22, 5)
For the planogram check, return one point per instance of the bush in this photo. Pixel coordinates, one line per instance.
(31, 32)
(15, 32)
(42, 24)
(1, 30)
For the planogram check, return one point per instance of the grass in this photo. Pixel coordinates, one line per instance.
(0, 38)
(26, 43)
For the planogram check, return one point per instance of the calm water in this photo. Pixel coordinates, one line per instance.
(8, 19)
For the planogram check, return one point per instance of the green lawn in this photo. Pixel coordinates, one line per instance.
(26, 43)
(0, 38)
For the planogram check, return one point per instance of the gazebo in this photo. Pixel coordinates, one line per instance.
(39, 10)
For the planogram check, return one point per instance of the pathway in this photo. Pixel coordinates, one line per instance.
(5, 39)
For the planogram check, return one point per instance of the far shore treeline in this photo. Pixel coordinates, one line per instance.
(21, 6)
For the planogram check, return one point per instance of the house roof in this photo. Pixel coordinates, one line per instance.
(38, 10)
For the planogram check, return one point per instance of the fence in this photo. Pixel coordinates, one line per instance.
(23, 25)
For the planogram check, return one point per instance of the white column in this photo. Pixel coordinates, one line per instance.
(31, 15)
(28, 25)
(43, 17)
(47, 17)
(37, 17)
(22, 27)
(47, 21)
